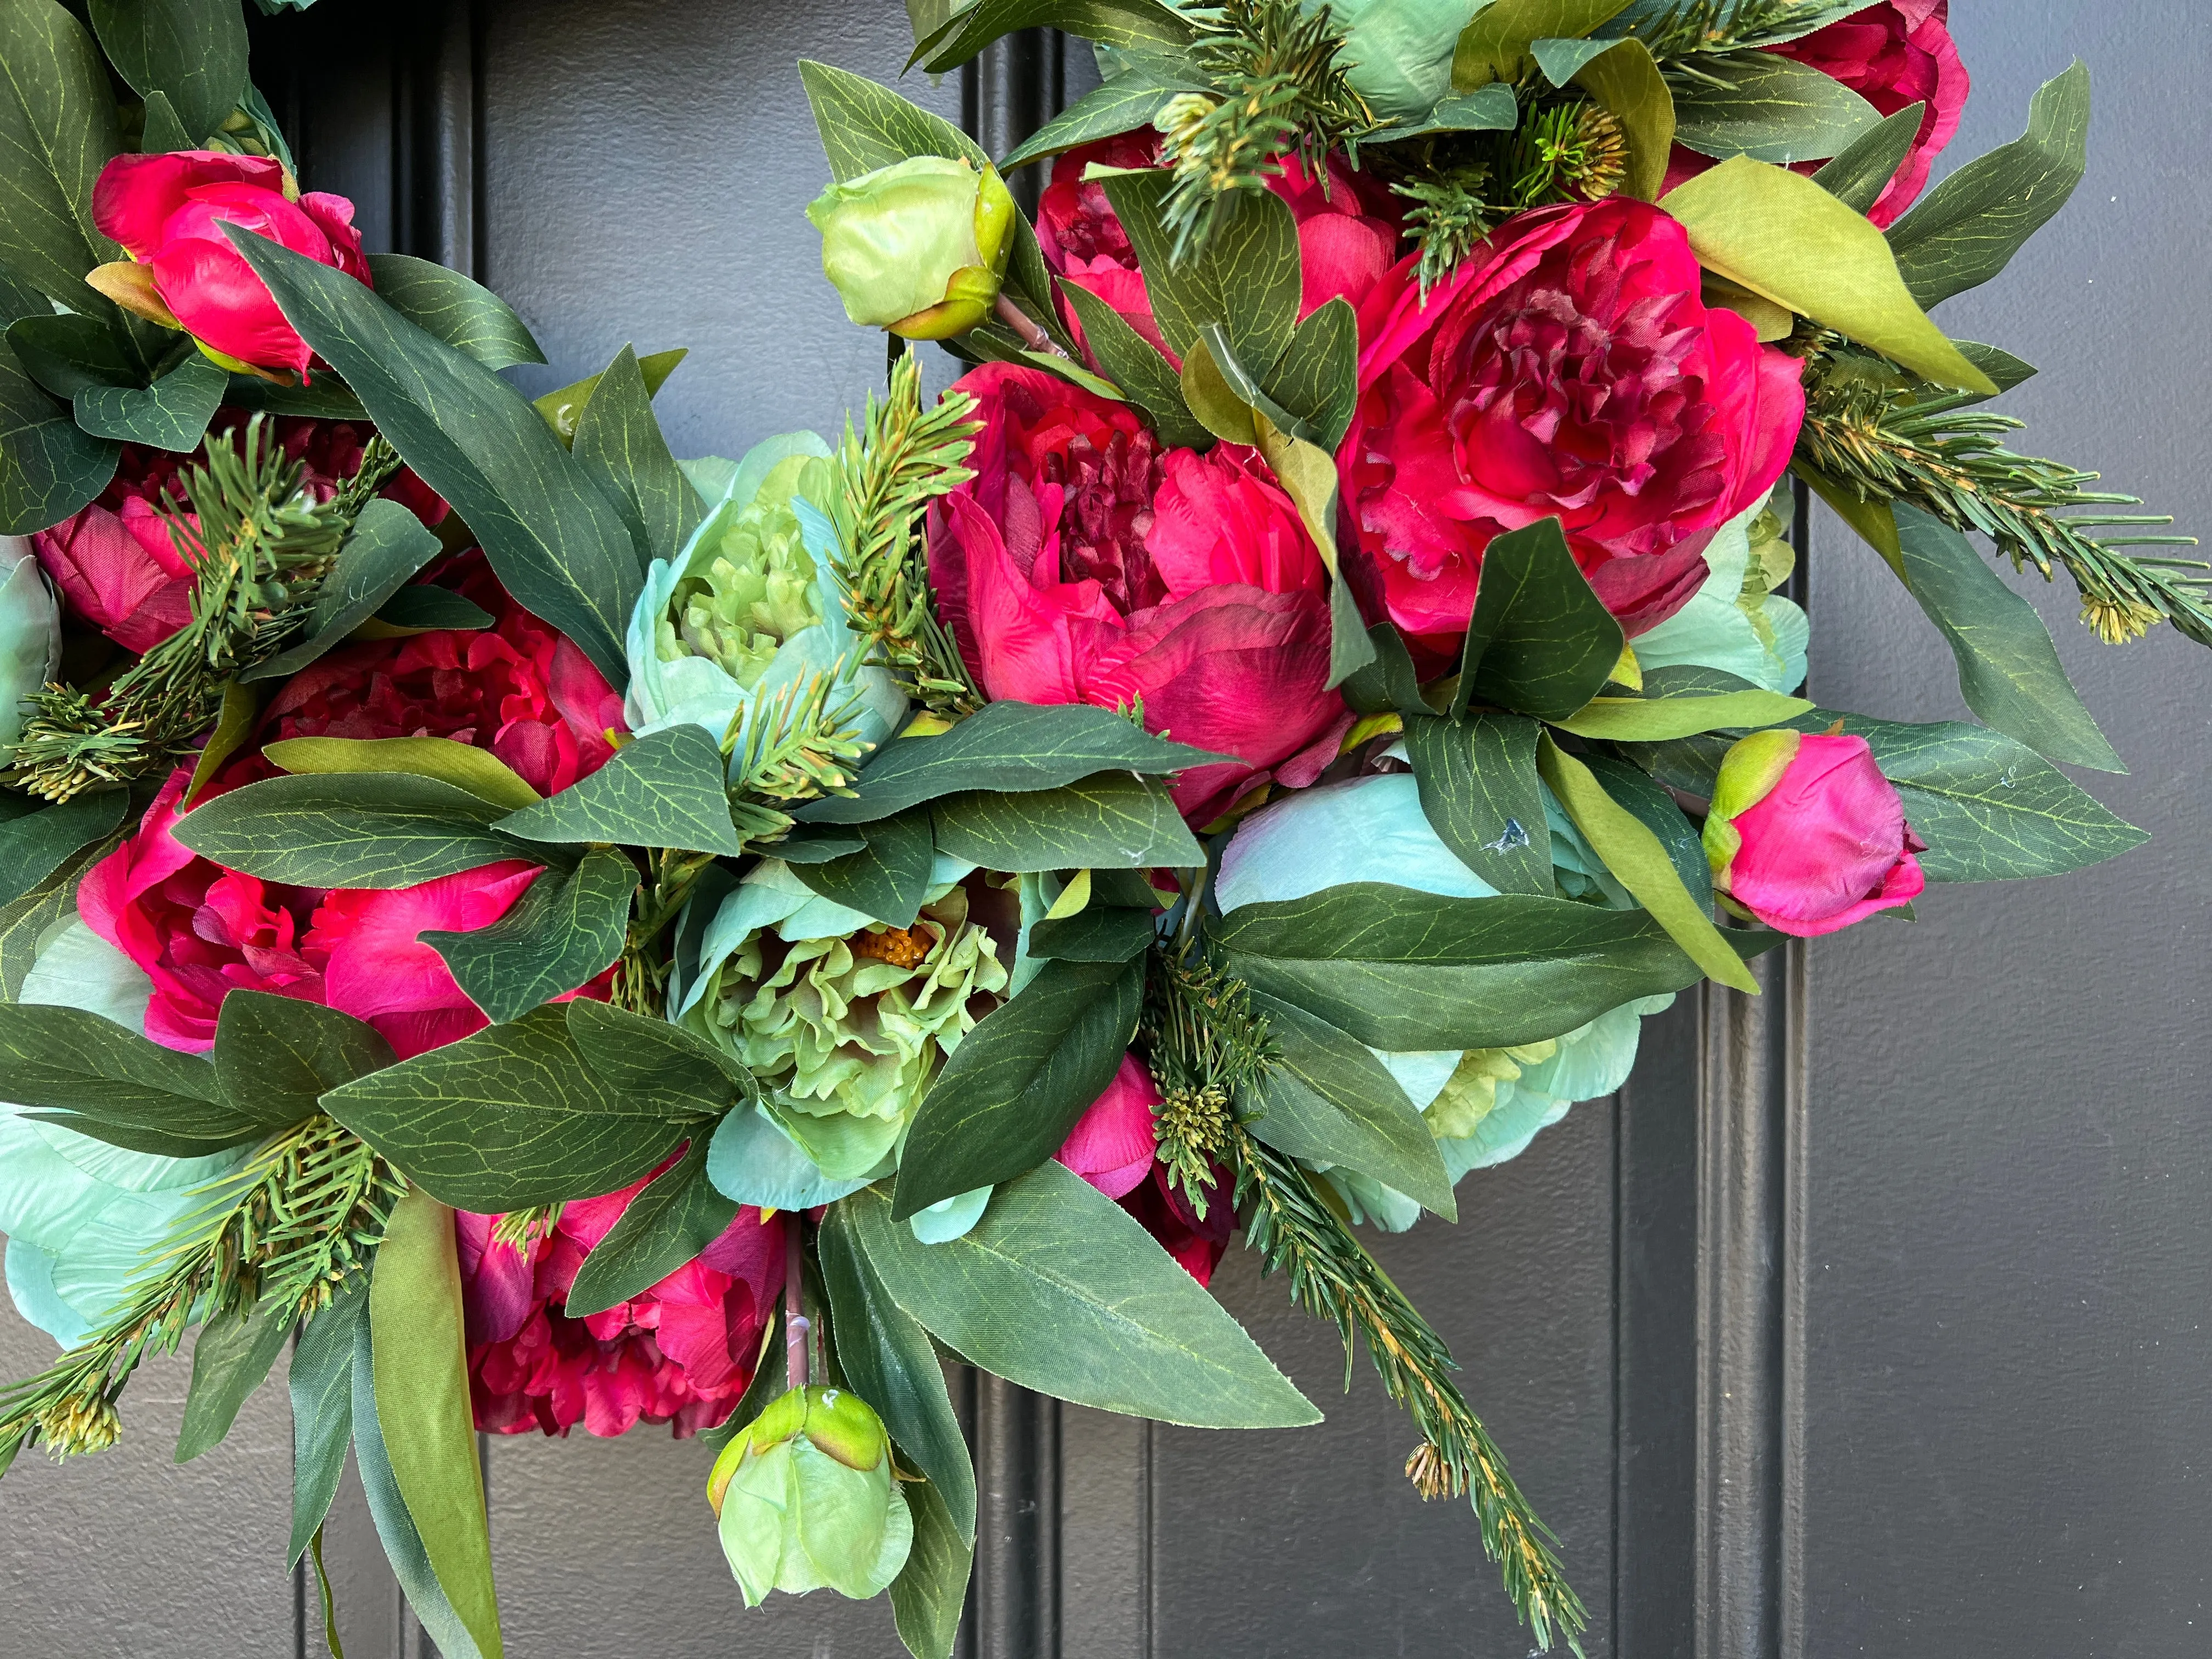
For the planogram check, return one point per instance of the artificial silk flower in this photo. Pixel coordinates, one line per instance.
(917, 247)
(1735, 622)
(30, 635)
(1113, 1143)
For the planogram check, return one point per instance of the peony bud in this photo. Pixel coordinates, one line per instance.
(807, 1498)
(1807, 836)
(917, 247)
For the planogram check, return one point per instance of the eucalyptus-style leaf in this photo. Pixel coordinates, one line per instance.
(1387, 682)
(678, 1215)
(1774, 109)
(1560, 60)
(619, 446)
(1862, 170)
(57, 130)
(1406, 970)
(1097, 932)
(865, 126)
(1010, 747)
(2008, 669)
(1058, 1289)
(1134, 364)
(276, 1057)
(191, 52)
(321, 1386)
(1966, 229)
(1646, 798)
(506, 1119)
(66, 352)
(230, 1359)
(447, 760)
(664, 789)
(888, 876)
(888, 1361)
(1123, 104)
(1006, 1097)
(566, 929)
(1107, 821)
(1327, 1099)
(1247, 277)
(1481, 795)
(69, 1060)
(35, 845)
(1317, 377)
(1497, 43)
(1108, 22)
(1540, 643)
(932, 1589)
(386, 546)
(1659, 720)
(663, 1068)
(554, 542)
(1781, 236)
(464, 313)
(50, 466)
(347, 829)
(564, 406)
(419, 608)
(2003, 368)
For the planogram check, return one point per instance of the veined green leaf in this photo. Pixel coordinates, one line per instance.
(865, 126)
(1657, 719)
(663, 1068)
(1128, 101)
(386, 546)
(1109, 821)
(1540, 643)
(1388, 683)
(928, 1595)
(466, 315)
(321, 1386)
(1007, 1096)
(1646, 798)
(347, 829)
(1135, 365)
(1109, 22)
(1098, 932)
(1497, 43)
(1247, 279)
(34, 846)
(888, 876)
(665, 789)
(567, 928)
(1776, 110)
(1491, 108)
(1480, 794)
(1317, 377)
(1058, 1289)
(445, 760)
(58, 127)
(667, 1225)
(420, 608)
(564, 407)
(71, 1060)
(66, 352)
(276, 1057)
(191, 52)
(230, 1359)
(1862, 170)
(171, 413)
(49, 465)
(619, 445)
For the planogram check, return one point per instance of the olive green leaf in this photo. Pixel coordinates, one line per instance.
(1136, 368)
(165, 131)
(1641, 862)
(1657, 719)
(35, 845)
(1247, 279)
(567, 927)
(321, 1386)
(1654, 807)
(1480, 794)
(230, 1359)
(191, 52)
(1862, 170)
(619, 445)
(888, 876)
(420, 608)
(466, 315)
(1540, 643)
(1966, 229)
(564, 407)
(420, 1365)
(462, 765)
(171, 414)
(1097, 932)
(1007, 1096)
(1308, 476)
(276, 1057)
(66, 352)
(1128, 101)
(57, 130)
(384, 549)
(50, 466)
(1108, 22)
(1387, 682)
(1059, 1289)
(1775, 109)
(1109, 821)
(1627, 82)
(676, 1216)
(2008, 671)
(664, 789)
(347, 829)
(1317, 377)
(1781, 236)
(928, 1596)
(233, 726)
(663, 1068)
(1496, 45)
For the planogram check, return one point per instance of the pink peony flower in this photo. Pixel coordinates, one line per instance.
(1112, 1144)
(1570, 369)
(1197, 1245)
(682, 1351)
(1083, 564)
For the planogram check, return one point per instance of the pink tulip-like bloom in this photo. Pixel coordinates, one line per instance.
(1808, 835)
(1347, 231)
(1085, 563)
(168, 210)
(1112, 1144)
(681, 1353)
(1567, 368)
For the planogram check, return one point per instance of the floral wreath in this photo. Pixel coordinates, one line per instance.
(574, 935)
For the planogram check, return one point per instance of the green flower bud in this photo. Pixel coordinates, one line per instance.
(917, 247)
(806, 1498)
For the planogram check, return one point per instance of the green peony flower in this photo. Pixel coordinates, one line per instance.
(917, 247)
(753, 587)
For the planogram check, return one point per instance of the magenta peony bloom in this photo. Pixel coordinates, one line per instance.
(1083, 564)
(1569, 369)
(681, 1353)
(167, 212)
(1112, 1144)
(1807, 836)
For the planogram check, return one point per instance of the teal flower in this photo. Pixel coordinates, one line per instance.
(30, 635)
(1735, 622)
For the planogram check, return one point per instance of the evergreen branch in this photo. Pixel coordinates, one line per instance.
(1204, 1044)
(904, 458)
(1869, 432)
(285, 1232)
(1568, 151)
(1694, 39)
(1331, 1277)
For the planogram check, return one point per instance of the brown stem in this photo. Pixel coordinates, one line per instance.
(1030, 333)
(794, 1317)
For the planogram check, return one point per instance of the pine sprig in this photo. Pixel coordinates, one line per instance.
(258, 547)
(1694, 39)
(1331, 1277)
(903, 457)
(1880, 440)
(284, 1233)
(1204, 1044)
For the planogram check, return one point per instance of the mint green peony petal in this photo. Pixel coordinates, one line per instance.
(753, 1160)
(848, 1522)
(1369, 829)
(1720, 627)
(30, 1272)
(79, 969)
(949, 1217)
(891, 240)
(759, 1525)
(842, 1146)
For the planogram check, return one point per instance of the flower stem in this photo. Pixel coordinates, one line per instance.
(794, 1315)
(1026, 329)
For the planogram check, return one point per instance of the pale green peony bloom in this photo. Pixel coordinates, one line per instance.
(917, 247)
(30, 635)
(1735, 622)
(806, 1499)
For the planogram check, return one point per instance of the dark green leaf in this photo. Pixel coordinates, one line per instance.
(805, 844)
(1776, 110)
(229, 1362)
(1862, 170)
(505, 1118)
(928, 1595)
(26, 920)
(464, 315)
(1009, 1094)
(619, 446)
(888, 877)
(192, 52)
(1128, 101)
(58, 128)
(71, 1060)
(321, 1386)
(663, 1068)
(1657, 811)
(422, 607)
(1540, 643)
(1492, 108)
(49, 465)
(165, 131)
(888, 1361)
(567, 927)
(35, 845)
(1328, 1100)
(667, 1225)
(1111, 821)
(564, 407)
(1108, 22)
(1097, 932)
(384, 549)
(1387, 682)
(1135, 365)
(67, 353)
(1481, 795)
(554, 542)
(171, 414)
(1317, 377)
(1012, 747)
(665, 789)
(2004, 370)
(1247, 279)
(2008, 671)
(328, 399)
(1406, 970)
(1058, 1289)
(1966, 229)
(276, 1057)
(347, 829)
(865, 126)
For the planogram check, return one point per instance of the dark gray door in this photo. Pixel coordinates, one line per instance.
(1870, 1320)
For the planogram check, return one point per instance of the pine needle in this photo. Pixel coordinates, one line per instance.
(1694, 39)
